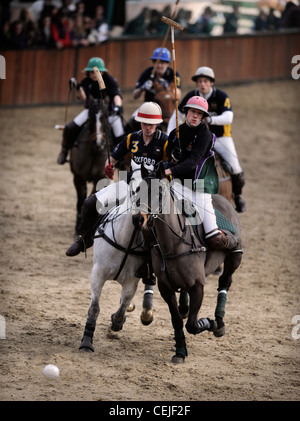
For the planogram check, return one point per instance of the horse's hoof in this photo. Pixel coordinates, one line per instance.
(146, 317)
(131, 307)
(86, 349)
(184, 311)
(219, 332)
(177, 359)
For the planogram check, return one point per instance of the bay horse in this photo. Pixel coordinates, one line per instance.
(182, 262)
(88, 155)
(119, 252)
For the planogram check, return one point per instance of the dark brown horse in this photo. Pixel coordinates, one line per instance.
(182, 262)
(88, 156)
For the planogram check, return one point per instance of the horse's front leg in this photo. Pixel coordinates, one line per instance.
(97, 282)
(127, 293)
(193, 325)
(177, 323)
(147, 312)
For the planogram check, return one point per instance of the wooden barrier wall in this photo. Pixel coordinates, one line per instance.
(41, 76)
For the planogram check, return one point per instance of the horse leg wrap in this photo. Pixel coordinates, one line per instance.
(221, 303)
(205, 324)
(148, 297)
(87, 339)
(180, 344)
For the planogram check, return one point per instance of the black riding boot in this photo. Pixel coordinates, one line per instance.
(90, 219)
(70, 134)
(238, 182)
(146, 272)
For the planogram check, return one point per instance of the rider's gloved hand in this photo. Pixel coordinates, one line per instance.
(176, 154)
(72, 83)
(147, 85)
(109, 171)
(118, 110)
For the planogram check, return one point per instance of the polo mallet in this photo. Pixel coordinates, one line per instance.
(102, 86)
(165, 38)
(173, 25)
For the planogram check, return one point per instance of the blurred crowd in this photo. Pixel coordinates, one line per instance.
(76, 23)
(53, 24)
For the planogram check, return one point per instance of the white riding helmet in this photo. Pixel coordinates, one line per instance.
(204, 71)
(149, 113)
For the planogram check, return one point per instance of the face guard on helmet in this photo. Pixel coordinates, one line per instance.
(198, 103)
(95, 62)
(205, 72)
(149, 113)
(162, 54)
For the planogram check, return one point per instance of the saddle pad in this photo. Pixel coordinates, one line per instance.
(223, 222)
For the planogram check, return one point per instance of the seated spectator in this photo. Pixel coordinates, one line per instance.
(101, 25)
(290, 17)
(156, 26)
(5, 36)
(78, 32)
(61, 30)
(261, 21)
(273, 21)
(138, 25)
(46, 39)
(231, 21)
(30, 27)
(204, 23)
(19, 39)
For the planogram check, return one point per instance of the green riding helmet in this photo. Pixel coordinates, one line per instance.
(95, 62)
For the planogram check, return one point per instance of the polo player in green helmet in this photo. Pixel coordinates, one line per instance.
(88, 89)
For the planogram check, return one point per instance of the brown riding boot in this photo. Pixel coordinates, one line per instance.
(70, 134)
(90, 220)
(222, 240)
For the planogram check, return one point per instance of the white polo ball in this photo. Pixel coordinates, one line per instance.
(51, 372)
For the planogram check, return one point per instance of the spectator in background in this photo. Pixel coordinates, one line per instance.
(261, 21)
(155, 26)
(43, 7)
(204, 24)
(231, 21)
(290, 17)
(78, 33)
(100, 24)
(19, 39)
(30, 27)
(5, 36)
(138, 25)
(46, 39)
(273, 20)
(60, 30)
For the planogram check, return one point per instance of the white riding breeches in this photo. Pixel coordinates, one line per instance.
(116, 124)
(110, 195)
(202, 202)
(225, 147)
(114, 120)
(82, 117)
